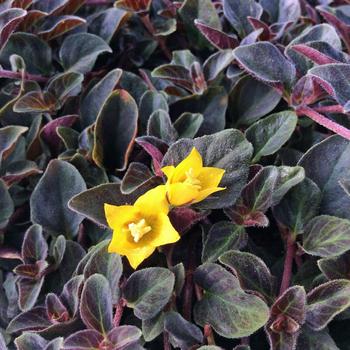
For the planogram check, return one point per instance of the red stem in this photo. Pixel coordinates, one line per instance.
(98, 2)
(329, 109)
(322, 120)
(288, 264)
(119, 312)
(166, 343)
(18, 75)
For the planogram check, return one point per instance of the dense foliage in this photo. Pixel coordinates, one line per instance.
(97, 98)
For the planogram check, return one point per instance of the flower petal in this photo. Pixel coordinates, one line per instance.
(207, 192)
(153, 201)
(168, 171)
(118, 216)
(162, 232)
(136, 256)
(192, 161)
(181, 193)
(210, 177)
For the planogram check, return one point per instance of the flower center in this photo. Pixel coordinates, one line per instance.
(139, 229)
(192, 180)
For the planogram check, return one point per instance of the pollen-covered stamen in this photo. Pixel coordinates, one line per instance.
(139, 229)
(192, 180)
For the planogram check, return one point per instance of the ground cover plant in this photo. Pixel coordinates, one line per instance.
(174, 174)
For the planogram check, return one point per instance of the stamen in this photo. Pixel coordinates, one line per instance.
(139, 229)
(192, 180)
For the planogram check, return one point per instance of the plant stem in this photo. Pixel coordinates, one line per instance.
(119, 312)
(18, 75)
(288, 264)
(329, 109)
(150, 28)
(322, 120)
(98, 2)
(166, 343)
(209, 335)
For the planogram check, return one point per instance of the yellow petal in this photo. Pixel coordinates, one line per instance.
(181, 193)
(192, 161)
(137, 256)
(162, 232)
(210, 177)
(153, 201)
(168, 171)
(207, 192)
(117, 216)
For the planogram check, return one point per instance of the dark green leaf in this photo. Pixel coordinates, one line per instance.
(34, 245)
(337, 267)
(159, 125)
(312, 340)
(188, 124)
(7, 206)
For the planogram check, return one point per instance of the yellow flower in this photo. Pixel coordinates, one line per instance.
(190, 182)
(138, 229)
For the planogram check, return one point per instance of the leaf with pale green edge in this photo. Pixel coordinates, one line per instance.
(209, 347)
(108, 265)
(93, 101)
(325, 302)
(147, 291)
(180, 275)
(29, 289)
(337, 267)
(288, 178)
(19, 170)
(49, 201)
(7, 205)
(250, 100)
(153, 327)
(252, 272)
(281, 11)
(327, 163)
(34, 246)
(257, 195)
(96, 304)
(212, 104)
(182, 334)
(9, 135)
(188, 124)
(115, 130)
(9, 21)
(179, 75)
(326, 236)
(28, 341)
(35, 52)
(237, 11)
(202, 10)
(159, 125)
(298, 206)
(227, 150)
(79, 52)
(273, 69)
(216, 63)
(312, 340)
(65, 85)
(287, 317)
(87, 339)
(225, 306)
(222, 237)
(268, 135)
(133, 84)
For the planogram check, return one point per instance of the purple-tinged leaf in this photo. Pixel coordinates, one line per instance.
(326, 301)
(31, 271)
(216, 63)
(225, 306)
(115, 130)
(32, 320)
(28, 290)
(65, 85)
(273, 68)
(18, 171)
(237, 11)
(222, 237)
(88, 339)
(9, 135)
(160, 125)
(216, 37)
(55, 344)
(34, 245)
(252, 272)
(70, 295)
(32, 17)
(188, 124)
(281, 10)
(327, 236)
(265, 34)
(56, 311)
(36, 101)
(9, 20)
(313, 54)
(287, 317)
(136, 175)
(49, 131)
(49, 200)
(7, 205)
(337, 267)
(147, 291)
(252, 37)
(124, 336)
(134, 5)
(306, 91)
(24, 4)
(30, 341)
(183, 219)
(96, 304)
(321, 340)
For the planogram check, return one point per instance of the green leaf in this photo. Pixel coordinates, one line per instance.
(188, 124)
(147, 291)
(223, 236)
(93, 101)
(228, 150)
(159, 125)
(153, 327)
(337, 267)
(298, 206)
(327, 163)
(271, 133)
(65, 85)
(252, 272)
(311, 340)
(327, 236)
(7, 205)
(49, 201)
(325, 302)
(9, 135)
(79, 52)
(115, 130)
(96, 304)
(35, 52)
(225, 306)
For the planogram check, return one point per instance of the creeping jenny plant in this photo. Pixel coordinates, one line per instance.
(174, 174)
